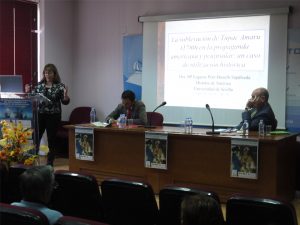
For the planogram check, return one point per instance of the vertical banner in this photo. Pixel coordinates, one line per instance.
(293, 81)
(244, 158)
(156, 145)
(84, 143)
(132, 64)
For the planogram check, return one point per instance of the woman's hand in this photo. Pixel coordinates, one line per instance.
(27, 88)
(66, 97)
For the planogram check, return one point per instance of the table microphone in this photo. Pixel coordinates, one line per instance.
(213, 123)
(150, 119)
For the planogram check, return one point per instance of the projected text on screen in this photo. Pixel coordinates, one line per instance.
(221, 59)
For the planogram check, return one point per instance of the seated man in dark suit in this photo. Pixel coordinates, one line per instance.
(258, 108)
(133, 109)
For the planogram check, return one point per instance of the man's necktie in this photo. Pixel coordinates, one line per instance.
(253, 112)
(129, 113)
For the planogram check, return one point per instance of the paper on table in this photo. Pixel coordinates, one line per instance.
(100, 124)
(227, 130)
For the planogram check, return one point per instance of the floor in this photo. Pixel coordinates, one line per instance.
(63, 164)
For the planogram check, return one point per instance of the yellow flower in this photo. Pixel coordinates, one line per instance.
(20, 126)
(14, 145)
(3, 142)
(30, 161)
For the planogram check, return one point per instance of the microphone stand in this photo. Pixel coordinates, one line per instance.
(213, 123)
(150, 118)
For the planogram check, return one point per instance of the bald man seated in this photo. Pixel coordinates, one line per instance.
(258, 108)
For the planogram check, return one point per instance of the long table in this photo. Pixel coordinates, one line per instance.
(196, 160)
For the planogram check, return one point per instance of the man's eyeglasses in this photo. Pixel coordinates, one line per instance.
(254, 97)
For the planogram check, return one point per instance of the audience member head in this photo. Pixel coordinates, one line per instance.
(128, 98)
(50, 72)
(259, 98)
(36, 184)
(201, 210)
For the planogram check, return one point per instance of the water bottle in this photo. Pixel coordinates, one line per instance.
(186, 125)
(122, 121)
(93, 115)
(190, 125)
(261, 128)
(245, 128)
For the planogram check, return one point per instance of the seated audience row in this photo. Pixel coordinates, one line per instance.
(124, 202)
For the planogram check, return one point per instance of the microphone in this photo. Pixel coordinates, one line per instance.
(33, 81)
(213, 123)
(150, 118)
(162, 104)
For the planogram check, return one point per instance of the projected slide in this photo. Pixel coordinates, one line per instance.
(215, 58)
(222, 60)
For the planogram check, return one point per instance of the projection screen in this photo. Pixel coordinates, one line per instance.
(214, 58)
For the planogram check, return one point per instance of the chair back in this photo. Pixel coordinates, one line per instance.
(12, 185)
(128, 202)
(3, 182)
(77, 194)
(80, 115)
(13, 215)
(155, 118)
(246, 210)
(170, 198)
(70, 220)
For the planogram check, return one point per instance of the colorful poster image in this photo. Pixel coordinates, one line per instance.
(156, 145)
(15, 109)
(244, 158)
(84, 143)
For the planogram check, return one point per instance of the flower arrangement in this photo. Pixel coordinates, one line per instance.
(14, 145)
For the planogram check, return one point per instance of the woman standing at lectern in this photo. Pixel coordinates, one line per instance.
(49, 114)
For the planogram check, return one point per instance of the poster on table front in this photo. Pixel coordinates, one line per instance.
(156, 145)
(244, 158)
(84, 143)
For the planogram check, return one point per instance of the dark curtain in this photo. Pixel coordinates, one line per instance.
(18, 25)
